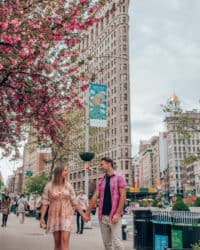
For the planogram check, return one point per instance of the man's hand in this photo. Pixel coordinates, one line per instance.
(115, 218)
(86, 217)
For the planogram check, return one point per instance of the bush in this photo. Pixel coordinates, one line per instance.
(196, 246)
(155, 203)
(197, 202)
(188, 201)
(179, 205)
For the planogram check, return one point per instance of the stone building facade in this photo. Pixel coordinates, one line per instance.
(107, 43)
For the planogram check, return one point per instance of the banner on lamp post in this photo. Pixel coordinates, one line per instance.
(98, 105)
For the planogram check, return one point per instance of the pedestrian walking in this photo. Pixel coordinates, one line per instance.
(60, 200)
(22, 206)
(111, 191)
(83, 202)
(5, 208)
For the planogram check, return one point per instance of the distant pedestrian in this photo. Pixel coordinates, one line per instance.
(5, 208)
(83, 202)
(59, 197)
(111, 191)
(22, 206)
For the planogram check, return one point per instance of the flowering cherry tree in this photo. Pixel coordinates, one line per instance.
(38, 65)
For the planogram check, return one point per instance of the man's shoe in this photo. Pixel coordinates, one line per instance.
(2, 225)
(81, 232)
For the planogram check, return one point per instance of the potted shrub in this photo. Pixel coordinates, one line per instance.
(179, 205)
(197, 202)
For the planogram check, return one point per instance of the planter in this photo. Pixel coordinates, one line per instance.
(86, 156)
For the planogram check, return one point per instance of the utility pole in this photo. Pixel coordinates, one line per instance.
(86, 140)
(86, 156)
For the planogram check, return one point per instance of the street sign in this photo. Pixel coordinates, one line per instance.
(29, 173)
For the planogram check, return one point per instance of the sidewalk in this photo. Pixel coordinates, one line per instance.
(29, 236)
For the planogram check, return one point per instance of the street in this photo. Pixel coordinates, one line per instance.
(29, 236)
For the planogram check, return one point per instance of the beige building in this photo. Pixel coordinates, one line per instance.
(180, 148)
(136, 171)
(18, 180)
(191, 184)
(107, 44)
(197, 178)
(34, 161)
(149, 163)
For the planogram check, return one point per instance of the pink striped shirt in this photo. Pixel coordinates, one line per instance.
(117, 181)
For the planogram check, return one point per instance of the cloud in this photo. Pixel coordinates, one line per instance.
(164, 58)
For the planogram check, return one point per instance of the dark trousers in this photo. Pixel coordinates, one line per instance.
(4, 219)
(79, 222)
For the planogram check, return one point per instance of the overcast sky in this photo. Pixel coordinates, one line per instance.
(164, 58)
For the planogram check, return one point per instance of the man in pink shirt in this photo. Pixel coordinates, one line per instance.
(111, 191)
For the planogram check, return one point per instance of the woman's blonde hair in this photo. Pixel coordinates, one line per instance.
(57, 175)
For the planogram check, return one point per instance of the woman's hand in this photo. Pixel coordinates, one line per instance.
(42, 224)
(86, 217)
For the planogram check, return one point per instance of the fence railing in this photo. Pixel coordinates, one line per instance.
(182, 217)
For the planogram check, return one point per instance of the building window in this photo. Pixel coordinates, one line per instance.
(125, 86)
(125, 107)
(127, 178)
(125, 118)
(126, 128)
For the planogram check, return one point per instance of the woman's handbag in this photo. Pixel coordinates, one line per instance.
(5, 210)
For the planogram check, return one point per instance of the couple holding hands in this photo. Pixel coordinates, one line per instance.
(60, 200)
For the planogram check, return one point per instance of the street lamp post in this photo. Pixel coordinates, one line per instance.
(87, 124)
(86, 156)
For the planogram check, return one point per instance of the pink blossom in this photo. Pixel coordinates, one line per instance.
(1, 66)
(34, 97)
(4, 26)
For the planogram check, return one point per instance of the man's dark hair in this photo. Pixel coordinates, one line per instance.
(107, 159)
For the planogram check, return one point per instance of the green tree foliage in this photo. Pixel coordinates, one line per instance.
(180, 205)
(36, 184)
(197, 202)
(1, 183)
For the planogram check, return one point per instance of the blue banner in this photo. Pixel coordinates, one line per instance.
(98, 105)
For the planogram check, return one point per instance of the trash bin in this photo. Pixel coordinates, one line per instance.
(124, 229)
(161, 235)
(175, 229)
(143, 229)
